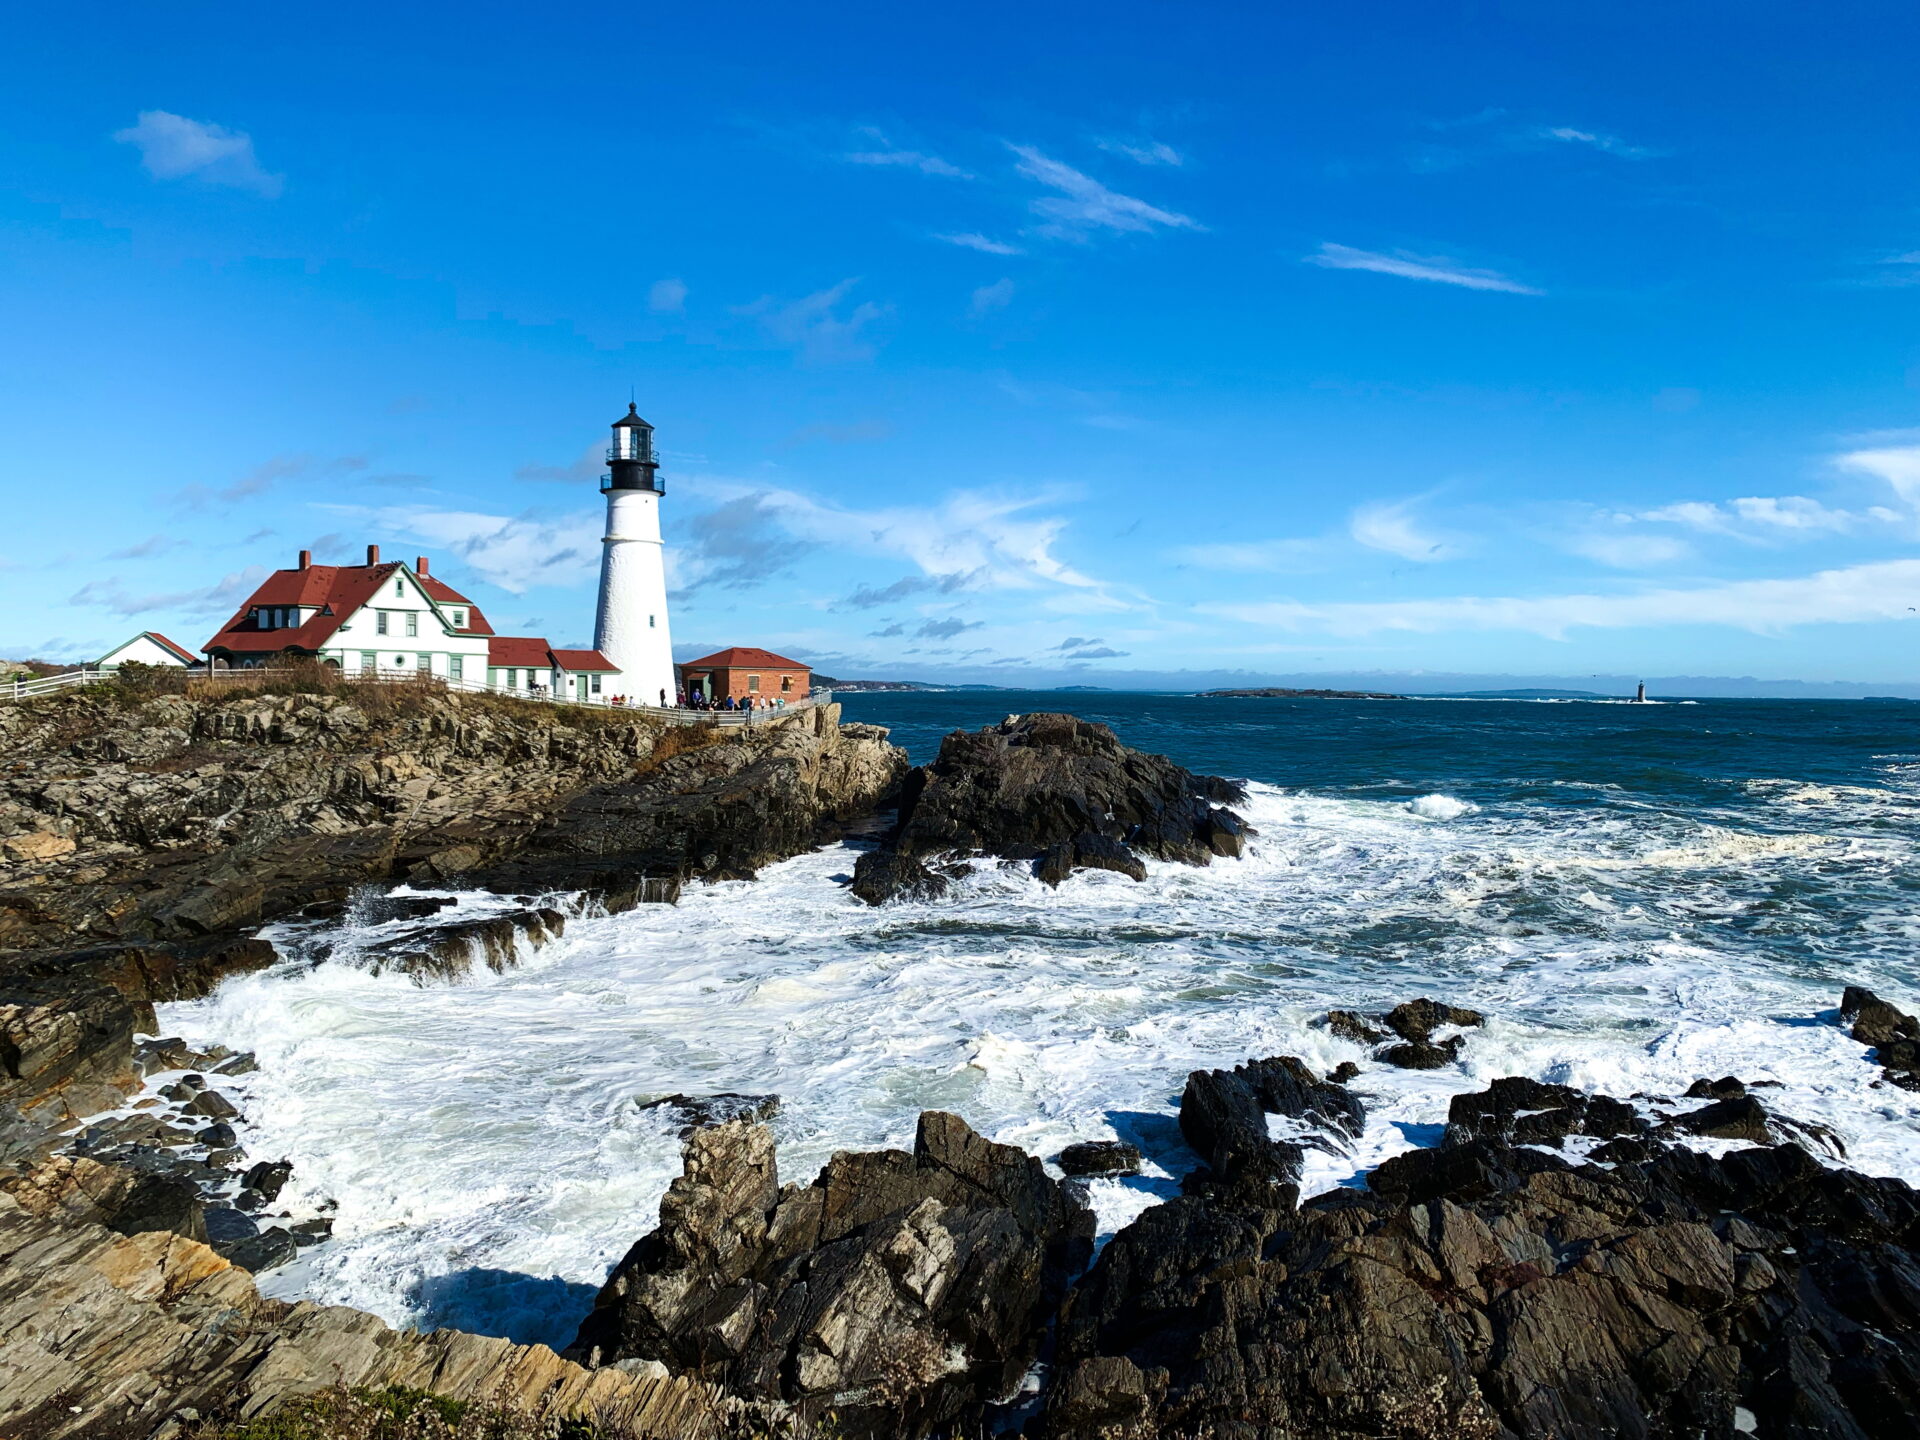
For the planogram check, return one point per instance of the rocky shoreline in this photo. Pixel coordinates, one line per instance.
(1556, 1263)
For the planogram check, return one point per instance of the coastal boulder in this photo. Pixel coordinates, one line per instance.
(1056, 791)
(898, 1292)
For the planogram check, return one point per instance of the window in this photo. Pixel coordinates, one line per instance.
(786, 683)
(400, 660)
(380, 623)
(753, 684)
(456, 667)
(650, 620)
(399, 587)
(459, 619)
(596, 684)
(413, 622)
(513, 679)
(366, 662)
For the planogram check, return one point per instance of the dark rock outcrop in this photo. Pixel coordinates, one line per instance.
(1224, 1117)
(450, 952)
(1099, 1157)
(899, 1292)
(1055, 790)
(1894, 1034)
(1488, 1289)
(696, 1112)
(1414, 1023)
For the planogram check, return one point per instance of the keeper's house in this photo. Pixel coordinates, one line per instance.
(392, 619)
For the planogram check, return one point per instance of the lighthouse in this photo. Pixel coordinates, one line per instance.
(631, 626)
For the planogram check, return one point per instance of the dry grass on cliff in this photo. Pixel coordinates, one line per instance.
(399, 1412)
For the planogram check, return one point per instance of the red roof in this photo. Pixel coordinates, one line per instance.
(336, 591)
(745, 657)
(519, 650)
(583, 660)
(187, 657)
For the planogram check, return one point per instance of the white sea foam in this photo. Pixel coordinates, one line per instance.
(488, 1160)
(1439, 807)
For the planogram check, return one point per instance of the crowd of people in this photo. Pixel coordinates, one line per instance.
(696, 700)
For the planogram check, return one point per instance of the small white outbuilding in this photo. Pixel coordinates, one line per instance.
(149, 647)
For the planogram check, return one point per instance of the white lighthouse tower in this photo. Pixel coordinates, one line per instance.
(631, 627)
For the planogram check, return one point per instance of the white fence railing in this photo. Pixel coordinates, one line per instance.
(47, 684)
(538, 694)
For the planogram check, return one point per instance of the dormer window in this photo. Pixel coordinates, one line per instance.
(459, 619)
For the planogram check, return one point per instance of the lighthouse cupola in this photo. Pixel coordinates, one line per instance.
(630, 461)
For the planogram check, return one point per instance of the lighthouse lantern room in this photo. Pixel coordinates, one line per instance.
(631, 626)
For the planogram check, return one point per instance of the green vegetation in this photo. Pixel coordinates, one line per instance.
(399, 1412)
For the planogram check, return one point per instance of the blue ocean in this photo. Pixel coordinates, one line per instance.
(1636, 896)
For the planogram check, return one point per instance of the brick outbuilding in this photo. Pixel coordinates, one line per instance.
(747, 673)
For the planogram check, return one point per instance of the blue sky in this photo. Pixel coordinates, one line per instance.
(1109, 343)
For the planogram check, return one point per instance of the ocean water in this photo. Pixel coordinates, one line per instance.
(1637, 896)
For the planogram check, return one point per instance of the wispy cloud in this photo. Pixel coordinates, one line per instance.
(1608, 144)
(972, 240)
(515, 552)
(1859, 594)
(1143, 152)
(1897, 465)
(667, 297)
(262, 478)
(1416, 267)
(1083, 205)
(218, 599)
(996, 296)
(888, 154)
(152, 545)
(946, 629)
(735, 546)
(907, 586)
(1291, 555)
(173, 147)
(812, 327)
(1392, 528)
(1629, 550)
(1761, 517)
(590, 463)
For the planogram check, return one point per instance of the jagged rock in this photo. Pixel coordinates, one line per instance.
(897, 1292)
(1351, 1025)
(883, 875)
(1725, 1088)
(698, 1111)
(1416, 1020)
(450, 952)
(268, 1178)
(104, 1335)
(1056, 790)
(1518, 1111)
(1423, 1055)
(1224, 1117)
(1099, 1157)
(1487, 1289)
(213, 1105)
(380, 909)
(82, 1190)
(1874, 1021)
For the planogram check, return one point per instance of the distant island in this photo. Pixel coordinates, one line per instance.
(854, 687)
(1277, 693)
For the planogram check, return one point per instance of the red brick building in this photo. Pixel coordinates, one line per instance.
(746, 673)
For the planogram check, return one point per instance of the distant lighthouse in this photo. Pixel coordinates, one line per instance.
(631, 626)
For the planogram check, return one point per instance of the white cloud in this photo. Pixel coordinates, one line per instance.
(515, 552)
(172, 147)
(1756, 517)
(1416, 267)
(1897, 465)
(1859, 594)
(1295, 556)
(667, 296)
(1143, 152)
(810, 325)
(1392, 528)
(1610, 144)
(996, 296)
(891, 155)
(972, 240)
(1626, 550)
(1084, 204)
(219, 599)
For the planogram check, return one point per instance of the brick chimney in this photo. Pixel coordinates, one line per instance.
(420, 565)
(306, 559)
(373, 554)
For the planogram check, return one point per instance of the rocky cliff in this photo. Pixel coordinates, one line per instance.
(143, 839)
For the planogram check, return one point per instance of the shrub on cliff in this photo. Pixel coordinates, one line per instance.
(399, 1412)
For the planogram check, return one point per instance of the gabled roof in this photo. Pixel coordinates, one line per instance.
(588, 660)
(336, 591)
(179, 652)
(736, 657)
(519, 650)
